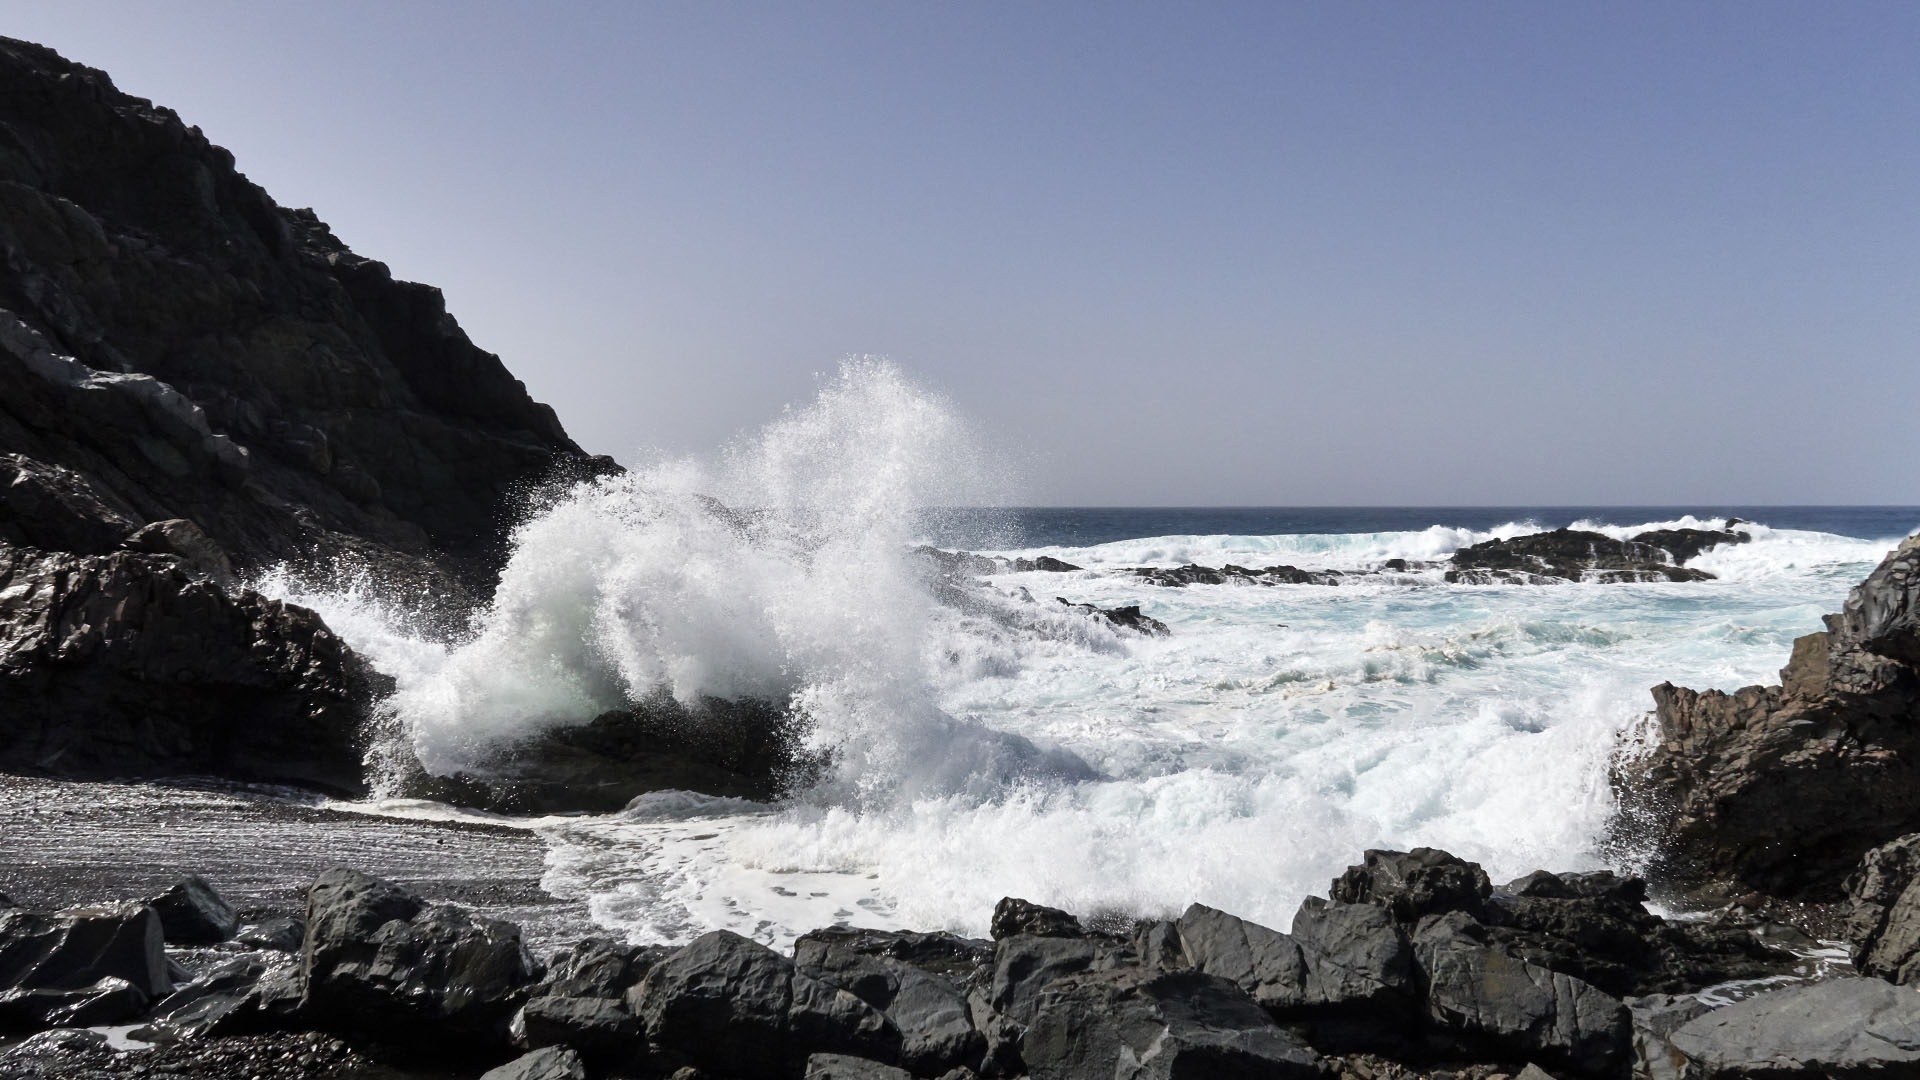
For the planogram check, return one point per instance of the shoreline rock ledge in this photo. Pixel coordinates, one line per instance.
(1782, 789)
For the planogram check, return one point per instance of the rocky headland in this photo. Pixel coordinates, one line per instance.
(201, 384)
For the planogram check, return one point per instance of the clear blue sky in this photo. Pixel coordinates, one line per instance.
(1172, 253)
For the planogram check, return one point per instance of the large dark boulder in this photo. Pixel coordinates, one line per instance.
(190, 350)
(743, 748)
(192, 913)
(380, 959)
(1134, 1025)
(918, 980)
(734, 1006)
(1495, 1004)
(1410, 884)
(1784, 788)
(77, 948)
(1841, 1029)
(581, 1002)
(133, 665)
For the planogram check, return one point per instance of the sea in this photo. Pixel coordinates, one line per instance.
(1012, 746)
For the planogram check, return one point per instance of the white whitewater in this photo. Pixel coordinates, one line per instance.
(1245, 759)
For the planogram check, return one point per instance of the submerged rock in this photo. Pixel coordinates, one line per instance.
(1784, 788)
(1124, 618)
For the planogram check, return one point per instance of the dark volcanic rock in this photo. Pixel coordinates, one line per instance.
(1784, 788)
(1013, 915)
(1158, 1026)
(773, 1015)
(1835, 1030)
(1578, 555)
(379, 959)
(1500, 1005)
(77, 948)
(736, 749)
(928, 1004)
(130, 665)
(1124, 618)
(1192, 574)
(187, 349)
(191, 913)
(549, 1063)
(1684, 544)
(1410, 884)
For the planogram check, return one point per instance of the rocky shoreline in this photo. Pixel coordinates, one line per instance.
(1414, 965)
(202, 385)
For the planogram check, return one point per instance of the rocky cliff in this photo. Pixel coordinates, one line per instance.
(1784, 788)
(174, 345)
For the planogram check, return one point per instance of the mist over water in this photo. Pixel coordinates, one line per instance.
(1240, 762)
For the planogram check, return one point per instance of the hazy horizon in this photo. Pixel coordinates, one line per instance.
(1363, 255)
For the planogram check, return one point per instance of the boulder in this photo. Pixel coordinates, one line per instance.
(1133, 1025)
(127, 665)
(1413, 884)
(842, 1067)
(59, 1054)
(281, 933)
(75, 949)
(191, 913)
(1883, 911)
(1495, 1004)
(224, 999)
(108, 1001)
(774, 1014)
(1782, 789)
(928, 1007)
(730, 748)
(1265, 963)
(581, 1002)
(1122, 618)
(1013, 916)
(379, 959)
(547, 1063)
(1833, 1030)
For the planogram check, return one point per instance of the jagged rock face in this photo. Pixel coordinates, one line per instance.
(131, 665)
(1883, 911)
(175, 345)
(1784, 788)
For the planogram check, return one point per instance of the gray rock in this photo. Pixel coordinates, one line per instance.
(546, 1063)
(281, 933)
(1024, 965)
(187, 542)
(1840, 1029)
(55, 1055)
(1264, 962)
(776, 1015)
(1413, 884)
(593, 1025)
(930, 1011)
(79, 947)
(842, 1067)
(205, 1005)
(192, 913)
(108, 1001)
(1883, 911)
(380, 959)
(1493, 1003)
(1131, 1025)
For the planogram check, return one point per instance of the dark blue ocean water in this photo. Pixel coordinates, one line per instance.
(1040, 526)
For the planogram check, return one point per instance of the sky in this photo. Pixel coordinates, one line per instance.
(1158, 254)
